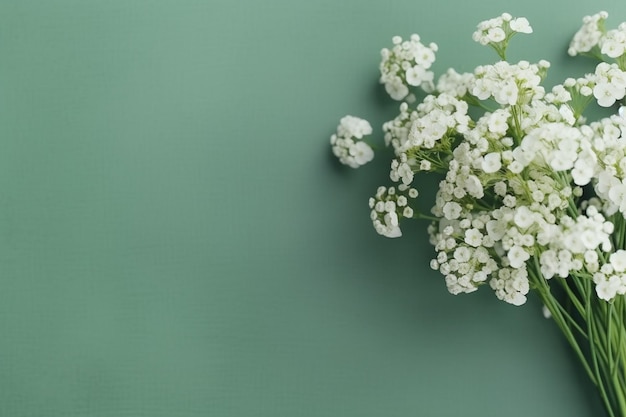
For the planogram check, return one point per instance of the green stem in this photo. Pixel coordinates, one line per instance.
(560, 316)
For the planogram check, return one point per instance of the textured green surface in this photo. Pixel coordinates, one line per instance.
(175, 239)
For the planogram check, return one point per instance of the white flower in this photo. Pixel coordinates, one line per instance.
(406, 64)
(506, 94)
(401, 170)
(495, 35)
(396, 88)
(362, 153)
(451, 210)
(482, 89)
(510, 207)
(491, 163)
(606, 94)
(498, 121)
(521, 25)
(346, 144)
(567, 114)
(588, 35)
(425, 165)
(500, 188)
(613, 44)
(351, 126)
(473, 186)
(416, 75)
(517, 256)
(524, 218)
(473, 237)
(462, 254)
(618, 260)
(388, 206)
(607, 287)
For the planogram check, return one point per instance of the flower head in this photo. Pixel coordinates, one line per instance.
(498, 31)
(347, 145)
(407, 65)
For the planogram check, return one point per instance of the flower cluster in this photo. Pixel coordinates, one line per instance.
(509, 84)
(531, 196)
(347, 144)
(594, 40)
(609, 147)
(389, 206)
(511, 205)
(609, 84)
(613, 44)
(589, 35)
(498, 31)
(611, 279)
(407, 65)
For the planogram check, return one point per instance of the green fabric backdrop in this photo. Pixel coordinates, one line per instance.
(176, 240)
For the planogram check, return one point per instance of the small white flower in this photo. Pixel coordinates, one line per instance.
(517, 256)
(495, 35)
(606, 289)
(351, 126)
(462, 254)
(524, 218)
(588, 35)
(496, 229)
(346, 144)
(507, 94)
(516, 167)
(491, 163)
(613, 44)
(500, 188)
(396, 88)
(618, 260)
(520, 25)
(473, 237)
(362, 153)
(425, 165)
(452, 210)
(416, 75)
(606, 94)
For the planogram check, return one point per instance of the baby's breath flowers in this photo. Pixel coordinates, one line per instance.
(589, 35)
(498, 31)
(347, 143)
(532, 197)
(407, 65)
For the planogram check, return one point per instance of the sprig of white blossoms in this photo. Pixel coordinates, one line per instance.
(531, 196)
(498, 31)
(589, 35)
(407, 65)
(610, 280)
(510, 203)
(389, 206)
(608, 84)
(347, 144)
(593, 39)
(509, 84)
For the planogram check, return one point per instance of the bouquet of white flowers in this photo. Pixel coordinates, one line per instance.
(533, 196)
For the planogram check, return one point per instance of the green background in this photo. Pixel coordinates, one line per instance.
(176, 240)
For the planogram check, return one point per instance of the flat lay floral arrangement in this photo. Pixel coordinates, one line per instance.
(532, 195)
